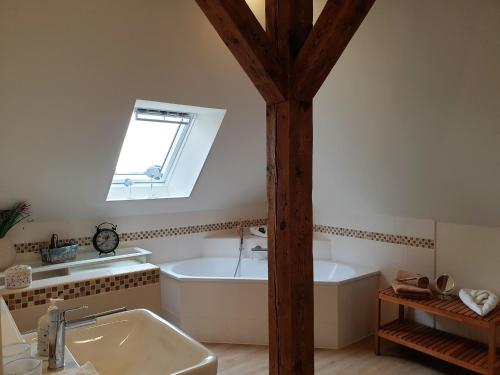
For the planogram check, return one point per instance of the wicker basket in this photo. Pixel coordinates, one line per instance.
(59, 254)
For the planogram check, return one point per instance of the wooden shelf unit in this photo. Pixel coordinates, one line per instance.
(472, 355)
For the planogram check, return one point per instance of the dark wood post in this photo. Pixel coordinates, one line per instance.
(287, 63)
(289, 192)
(291, 305)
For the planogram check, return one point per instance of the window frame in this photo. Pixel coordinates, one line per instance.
(174, 150)
(184, 167)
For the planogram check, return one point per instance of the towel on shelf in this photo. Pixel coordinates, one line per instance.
(410, 291)
(86, 369)
(259, 231)
(481, 302)
(411, 278)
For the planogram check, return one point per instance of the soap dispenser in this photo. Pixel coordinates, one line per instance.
(43, 329)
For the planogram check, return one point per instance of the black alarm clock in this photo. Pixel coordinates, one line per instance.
(106, 239)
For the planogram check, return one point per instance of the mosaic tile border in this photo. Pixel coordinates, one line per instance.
(35, 247)
(426, 243)
(180, 231)
(73, 290)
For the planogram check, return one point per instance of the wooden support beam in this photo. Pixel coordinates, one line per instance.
(240, 30)
(288, 64)
(289, 192)
(333, 30)
(288, 23)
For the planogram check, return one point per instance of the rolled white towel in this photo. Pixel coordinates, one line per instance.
(481, 297)
(86, 369)
(481, 302)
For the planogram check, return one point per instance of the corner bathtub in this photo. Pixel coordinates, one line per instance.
(202, 298)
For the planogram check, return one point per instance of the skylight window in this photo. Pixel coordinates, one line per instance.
(154, 139)
(164, 150)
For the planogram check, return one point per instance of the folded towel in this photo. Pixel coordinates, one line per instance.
(259, 231)
(86, 369)
(410, 291)
(411, 278)
(481, 302)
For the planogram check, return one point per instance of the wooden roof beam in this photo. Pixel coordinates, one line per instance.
(240, 30)
(288, 23)
(324, 45)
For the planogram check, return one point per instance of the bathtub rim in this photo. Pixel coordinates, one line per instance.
(166, 270)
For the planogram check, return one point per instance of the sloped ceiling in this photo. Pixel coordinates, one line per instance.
(407, 123)
(70, 72)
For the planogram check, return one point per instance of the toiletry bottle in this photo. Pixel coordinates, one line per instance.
(43, 329)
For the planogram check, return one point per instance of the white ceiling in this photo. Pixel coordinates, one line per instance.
(407, 123)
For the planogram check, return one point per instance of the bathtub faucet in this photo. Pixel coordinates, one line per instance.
(242, 237)
(240, 249)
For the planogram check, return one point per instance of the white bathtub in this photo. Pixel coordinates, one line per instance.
(202, 297)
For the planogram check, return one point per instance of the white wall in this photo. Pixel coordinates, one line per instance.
(401, 124)
(471, 254)
(407, 123)
(164, 249)
(387, 257)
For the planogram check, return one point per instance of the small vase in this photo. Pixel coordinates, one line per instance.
(7, 254)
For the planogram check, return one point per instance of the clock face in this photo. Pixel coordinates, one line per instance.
(106, 240)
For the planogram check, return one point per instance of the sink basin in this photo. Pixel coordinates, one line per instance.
(139, 342)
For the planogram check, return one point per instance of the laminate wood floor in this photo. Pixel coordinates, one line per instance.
(357, 359)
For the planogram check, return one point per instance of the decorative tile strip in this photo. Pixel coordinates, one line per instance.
(35, 247)
(42, 296)
(180, 231)
(375, 236)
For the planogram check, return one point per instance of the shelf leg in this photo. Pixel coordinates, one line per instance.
(401, 312)
(492, 350)
(377, 326)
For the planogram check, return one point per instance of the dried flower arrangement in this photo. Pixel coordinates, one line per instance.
(12, 217)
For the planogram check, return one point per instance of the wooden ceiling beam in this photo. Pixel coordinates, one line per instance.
(240, 30)
(324, 45)
(288, 23)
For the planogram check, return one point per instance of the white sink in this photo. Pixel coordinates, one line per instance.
(139, 342)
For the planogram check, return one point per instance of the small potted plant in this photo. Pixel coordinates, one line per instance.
(8, 219)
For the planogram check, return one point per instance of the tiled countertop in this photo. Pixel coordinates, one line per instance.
(105, 272)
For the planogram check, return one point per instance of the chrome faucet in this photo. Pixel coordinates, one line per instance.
(242, 237)
(57, 335)
(240, 249)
